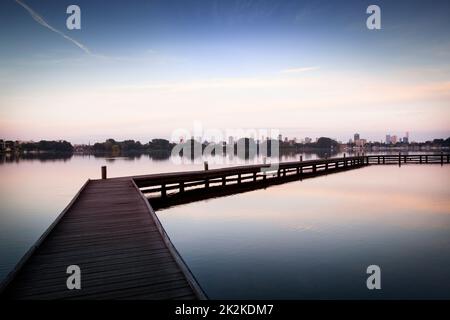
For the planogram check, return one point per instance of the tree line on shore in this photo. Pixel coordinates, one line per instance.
(61, 146)
(162, 145)
(111, 146)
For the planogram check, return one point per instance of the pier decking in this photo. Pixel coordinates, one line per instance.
(112, 233)
(108, 231)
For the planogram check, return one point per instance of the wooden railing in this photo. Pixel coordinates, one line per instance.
(182, 181)
(406, 158)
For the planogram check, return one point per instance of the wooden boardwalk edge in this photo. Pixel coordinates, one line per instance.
(201, 295)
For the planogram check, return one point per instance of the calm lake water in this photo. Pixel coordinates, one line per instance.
(305, 239)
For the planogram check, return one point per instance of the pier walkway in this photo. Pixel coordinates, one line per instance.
(110, 231)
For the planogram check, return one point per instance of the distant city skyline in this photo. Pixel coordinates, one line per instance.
(387, 138)
(143, 70)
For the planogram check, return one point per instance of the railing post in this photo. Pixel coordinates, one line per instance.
(239, 178)
(163, 190)
(254, 176)
(420, 159)
(181, 186)
(314, 168)
(224, 180)
(298, 168)
(426, 159)
(399, 159)
(104, 175)
(284, 172)
(345, 161)
(205, 164)
(448, 158)
(442, 158)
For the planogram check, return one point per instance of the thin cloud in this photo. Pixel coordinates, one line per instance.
(44, 23)
(220, 83)
(299, 70)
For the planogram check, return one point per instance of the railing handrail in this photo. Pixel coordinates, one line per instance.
(219, 172)
(198, 175)
(206, 176)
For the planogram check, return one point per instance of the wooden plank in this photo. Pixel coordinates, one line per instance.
(41, 284)
(95, 259)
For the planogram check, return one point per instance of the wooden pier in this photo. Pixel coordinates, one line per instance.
(265, 174)
(112, 233)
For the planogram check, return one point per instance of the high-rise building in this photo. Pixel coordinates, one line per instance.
(394, 139)
(406, 138)
(280, 137)
(356, 137)
(388, 139)
(308, 140)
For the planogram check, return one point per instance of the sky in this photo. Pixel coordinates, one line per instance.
(145, 69)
